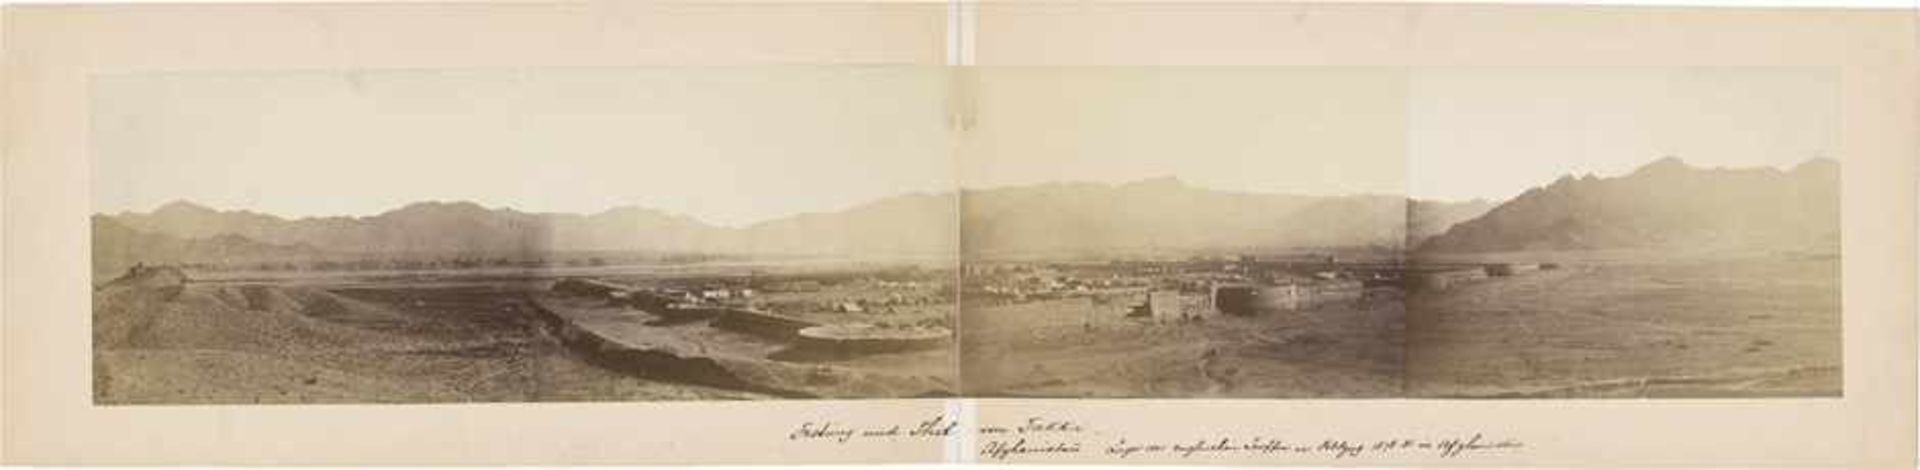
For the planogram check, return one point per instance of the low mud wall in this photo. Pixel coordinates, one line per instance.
(587, 287)
(1250, 300)
(831, 346)
(646, 363)
(1439, 280)
(648, 301)
(1509, 269)
(678, 315)
(1335, 291)
(763, 324)
(642, 299)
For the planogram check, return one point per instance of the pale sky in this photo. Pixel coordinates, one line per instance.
(728, 145)
(736, 145)
(1306, 130)
(1494, 133)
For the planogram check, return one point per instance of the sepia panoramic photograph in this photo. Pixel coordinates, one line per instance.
(791, 232)
(507, 235)
(975, 233)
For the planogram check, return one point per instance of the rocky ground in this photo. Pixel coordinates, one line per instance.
(160, 339)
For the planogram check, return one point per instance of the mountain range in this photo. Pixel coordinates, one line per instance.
(899, 225)
(1664, 203)
(1167, 214)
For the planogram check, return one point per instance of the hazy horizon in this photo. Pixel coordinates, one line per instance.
(919, 193)
(735, 146)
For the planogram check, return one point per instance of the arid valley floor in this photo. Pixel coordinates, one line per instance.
(1595, 325)
(1634, 325)
(1669, 281)
(1047, 349)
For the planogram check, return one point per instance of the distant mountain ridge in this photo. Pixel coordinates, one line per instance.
(1427, 219)
(894, 225)
(1160, 213)
(1168, 214)
(1664, 204)
(116, 246)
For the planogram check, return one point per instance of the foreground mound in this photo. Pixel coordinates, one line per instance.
(716, 354)
(159, 337)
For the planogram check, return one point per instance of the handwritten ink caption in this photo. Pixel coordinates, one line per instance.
(1051, 437)
(938, 427)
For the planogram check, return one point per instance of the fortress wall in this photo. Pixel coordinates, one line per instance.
(1249, 300)
(1440, 280)
(1336, 291)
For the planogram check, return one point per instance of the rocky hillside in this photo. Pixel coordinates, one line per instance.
(1665, 204)
(117, 247)
(1427, 219)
